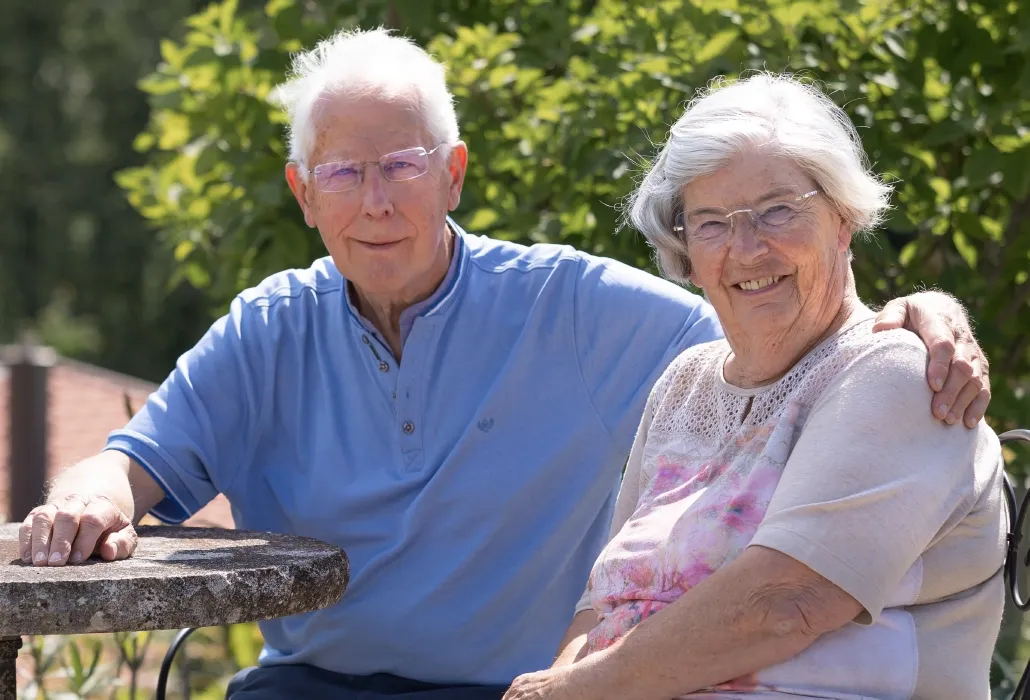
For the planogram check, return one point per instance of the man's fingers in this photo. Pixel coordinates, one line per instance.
(25, 538)
(941, 343)
(66, 526)
(42, 529)
(119, 544)
(965, 397)
(977, 408)
(97, 519)
(960, 373)
(892, 315)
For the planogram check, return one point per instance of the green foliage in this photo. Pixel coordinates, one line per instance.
(561, 103)
(78, 265)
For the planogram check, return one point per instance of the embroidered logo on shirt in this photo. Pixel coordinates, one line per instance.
(485, 424)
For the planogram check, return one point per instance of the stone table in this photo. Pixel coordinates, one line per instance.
(178, 577)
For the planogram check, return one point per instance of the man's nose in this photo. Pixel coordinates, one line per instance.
(375, 194)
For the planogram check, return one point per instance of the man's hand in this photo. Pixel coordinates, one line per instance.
(958, 369)
(72, 528)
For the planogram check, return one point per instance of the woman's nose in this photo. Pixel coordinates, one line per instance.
(746, 240)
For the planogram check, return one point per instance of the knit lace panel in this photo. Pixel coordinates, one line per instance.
(692, 407)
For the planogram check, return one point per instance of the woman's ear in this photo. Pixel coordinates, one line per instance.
(845, 232)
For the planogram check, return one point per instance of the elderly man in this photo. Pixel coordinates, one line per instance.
(452, 410)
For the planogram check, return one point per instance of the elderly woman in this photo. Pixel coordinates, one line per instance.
(792, 521)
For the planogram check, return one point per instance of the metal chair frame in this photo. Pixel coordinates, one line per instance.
(1017, 519)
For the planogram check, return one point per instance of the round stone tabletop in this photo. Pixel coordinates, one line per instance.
(178, 577)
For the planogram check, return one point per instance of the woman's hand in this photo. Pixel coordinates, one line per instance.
(583, 680)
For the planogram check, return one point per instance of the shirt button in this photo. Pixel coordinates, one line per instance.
(364, 339)
(383, 367)
(409, 428)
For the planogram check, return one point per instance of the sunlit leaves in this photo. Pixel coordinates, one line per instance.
(561, 103)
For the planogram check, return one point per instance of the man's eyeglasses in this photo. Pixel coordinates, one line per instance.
(343, 175)
(716, 223)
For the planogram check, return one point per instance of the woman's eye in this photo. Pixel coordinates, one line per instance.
(712, 226)
(778, 214)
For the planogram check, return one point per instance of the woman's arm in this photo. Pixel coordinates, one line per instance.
(760, 610)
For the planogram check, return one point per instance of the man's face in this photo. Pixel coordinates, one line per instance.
(387, 236)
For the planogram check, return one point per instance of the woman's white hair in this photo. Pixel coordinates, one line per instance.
(792, 118)
(359, 63)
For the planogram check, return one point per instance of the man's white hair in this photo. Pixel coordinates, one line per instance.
(763, 111)
(358, 63)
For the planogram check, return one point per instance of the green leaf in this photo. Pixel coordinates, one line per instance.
(1015, 168)
(209, 157)
(274, 7)
(482, 219)
(965, 249)
(907, 254)
(173, 130)
(942, 187)
(183, 250)
(717, 45)
(895, 44)
(982, 164)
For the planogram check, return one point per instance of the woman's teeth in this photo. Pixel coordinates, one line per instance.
(754, 285)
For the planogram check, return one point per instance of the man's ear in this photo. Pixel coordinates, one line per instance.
(297, 181)
(458, 161)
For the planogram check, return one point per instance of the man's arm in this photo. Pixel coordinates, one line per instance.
(91, 508)
(958, 371)
(180, 450)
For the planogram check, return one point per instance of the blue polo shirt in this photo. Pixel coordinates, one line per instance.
(471, 485)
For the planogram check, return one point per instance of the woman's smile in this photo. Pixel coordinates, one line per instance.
(760, 285)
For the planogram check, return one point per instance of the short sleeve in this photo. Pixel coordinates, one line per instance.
(197, 430)
(630, 326)
(873, 477)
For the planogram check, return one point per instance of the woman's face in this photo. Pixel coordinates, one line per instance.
(780, 277)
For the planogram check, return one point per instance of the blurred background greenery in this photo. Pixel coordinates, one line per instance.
(141, 163)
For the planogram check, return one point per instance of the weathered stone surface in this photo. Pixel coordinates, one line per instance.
(178, 577)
